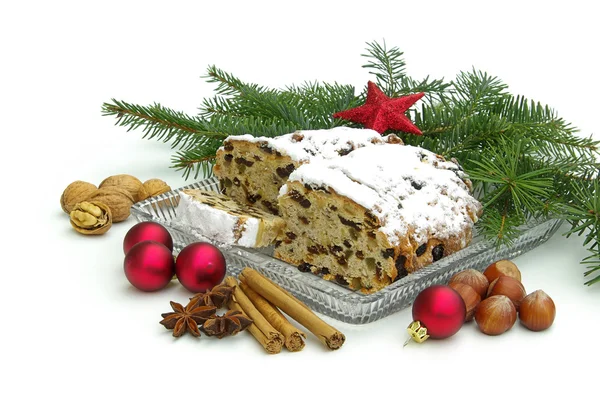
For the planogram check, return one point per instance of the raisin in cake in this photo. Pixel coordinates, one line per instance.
(252, 169)
(217, 217)
(375, 215)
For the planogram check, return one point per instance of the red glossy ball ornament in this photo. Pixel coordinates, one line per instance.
(149, 266)
(200, 266)
(438, 312)
(147, 231)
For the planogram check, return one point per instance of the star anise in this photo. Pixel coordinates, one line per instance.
(229, 324)
(188, 318)
(219, 296)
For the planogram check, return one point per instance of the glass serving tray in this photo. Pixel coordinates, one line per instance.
(330, 298)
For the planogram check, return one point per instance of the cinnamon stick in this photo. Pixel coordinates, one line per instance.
(250, 310)
(328, 335)
(294, 338)
(271, 346)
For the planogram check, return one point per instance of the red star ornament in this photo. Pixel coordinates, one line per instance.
(381, 113)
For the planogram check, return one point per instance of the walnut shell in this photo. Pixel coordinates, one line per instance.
(142, 194)
(91, 218)
(126, 182)
(156, 186)
(76, 192)
(117, 199)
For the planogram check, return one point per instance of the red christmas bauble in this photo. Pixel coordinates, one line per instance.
(147, 231)
(200, 266)
(440, 309)
(149, 266)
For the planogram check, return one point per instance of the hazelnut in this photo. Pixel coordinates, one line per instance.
(470, 296)
(502, 268)
(495, 315)
(512, 288)
(472, 278)
(537, 311)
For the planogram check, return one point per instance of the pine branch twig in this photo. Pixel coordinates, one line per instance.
(158, 122)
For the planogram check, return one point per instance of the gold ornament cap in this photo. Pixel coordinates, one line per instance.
(417, 331)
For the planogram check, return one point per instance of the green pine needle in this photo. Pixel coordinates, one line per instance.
(161, 123)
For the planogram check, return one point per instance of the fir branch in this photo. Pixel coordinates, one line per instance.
(268, 104)
(254, 125)
(500, 226)
(219, 105)
(197, 161)
(477, 90)
(521, 189)
(321, 101)
(227, 83)
(309, 106)
(583, 212)
(388, 66)
(435, 89)
(158, 122)
(593, 261)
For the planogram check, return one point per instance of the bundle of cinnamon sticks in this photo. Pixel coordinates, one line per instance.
(262, 300)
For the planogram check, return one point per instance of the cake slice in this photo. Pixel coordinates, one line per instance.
(252, 169)
(220, 218)
(376, 215)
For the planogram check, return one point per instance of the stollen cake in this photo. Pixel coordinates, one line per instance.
(219, 218)
(252, 169)
(375, 215)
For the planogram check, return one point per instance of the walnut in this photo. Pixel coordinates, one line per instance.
(76, 192)
(155, 187)
(91, 218)
(117, 199)
(142, 194)
(126, 182)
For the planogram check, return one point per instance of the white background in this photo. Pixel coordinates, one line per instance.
(72, 326)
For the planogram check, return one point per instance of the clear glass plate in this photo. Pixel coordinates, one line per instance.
(330, 298)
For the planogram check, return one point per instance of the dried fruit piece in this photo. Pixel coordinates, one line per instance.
(124, 181)
(91, 218)
(118, 200)
(76, 192)
(437, 252)
(304, 267)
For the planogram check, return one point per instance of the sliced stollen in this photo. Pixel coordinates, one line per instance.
(375, 215)
(219, 218)
(252, 169)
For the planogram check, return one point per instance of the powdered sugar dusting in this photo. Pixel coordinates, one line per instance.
(410, 189)
(326, 144)
(322, 175)
(216, 224)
